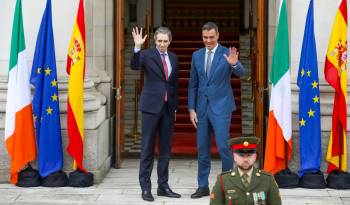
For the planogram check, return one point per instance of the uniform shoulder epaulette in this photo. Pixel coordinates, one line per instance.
(263, 172)
(226, 172)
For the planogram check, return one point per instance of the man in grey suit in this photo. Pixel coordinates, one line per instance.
(211, 101)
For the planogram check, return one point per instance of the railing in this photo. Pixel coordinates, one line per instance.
(139, 83)
(135, 133)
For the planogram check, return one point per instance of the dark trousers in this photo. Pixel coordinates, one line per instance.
(153, 125)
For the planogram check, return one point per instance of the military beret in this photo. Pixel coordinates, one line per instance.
(244, 145)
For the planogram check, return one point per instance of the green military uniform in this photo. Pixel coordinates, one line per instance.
(261, 190)
(230, 190)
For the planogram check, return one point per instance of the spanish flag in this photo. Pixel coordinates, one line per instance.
(76, 72)
(335, 74)
(279, 130)
(19, 125)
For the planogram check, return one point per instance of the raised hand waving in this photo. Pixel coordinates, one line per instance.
(137, 35)
(232, 58)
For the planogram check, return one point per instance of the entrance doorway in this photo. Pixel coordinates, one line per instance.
(241, 24)
(185, 19)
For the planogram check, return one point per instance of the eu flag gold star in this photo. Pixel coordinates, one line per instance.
(54, 97)
(38, 71)
(34, 117)
(316, 99)
(302, 72)
(47, 71)
(302, 122)
(49, 111)
(311, 113)
(54, 83)
(309, 73)
(314, 84)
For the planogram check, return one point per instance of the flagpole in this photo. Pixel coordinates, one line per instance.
(341, 151)
(286, 154)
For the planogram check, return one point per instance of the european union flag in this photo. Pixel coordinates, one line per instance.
(45, 102)
(309, 101)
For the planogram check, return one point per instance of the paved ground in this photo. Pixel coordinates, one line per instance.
(121, 187)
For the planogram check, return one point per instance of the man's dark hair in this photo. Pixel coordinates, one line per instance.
(163, 30)
(210, 25)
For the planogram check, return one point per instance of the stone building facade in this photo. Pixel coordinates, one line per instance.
(99, 73)
(100, 69)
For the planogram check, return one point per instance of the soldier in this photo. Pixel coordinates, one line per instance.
(245, 184)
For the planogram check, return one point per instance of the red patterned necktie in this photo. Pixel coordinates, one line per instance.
(165, 67)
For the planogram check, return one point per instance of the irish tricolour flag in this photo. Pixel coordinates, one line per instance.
(19, 127)
(279, 132)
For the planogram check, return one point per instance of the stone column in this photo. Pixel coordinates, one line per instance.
(97, 84)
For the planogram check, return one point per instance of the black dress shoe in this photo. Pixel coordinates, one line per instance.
(147, 196)
(167, 192)
(200, 192)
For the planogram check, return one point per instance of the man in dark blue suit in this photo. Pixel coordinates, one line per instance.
(211, 101)
(158, 106)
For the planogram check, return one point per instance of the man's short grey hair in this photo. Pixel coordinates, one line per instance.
(209, 26)
(163, 30)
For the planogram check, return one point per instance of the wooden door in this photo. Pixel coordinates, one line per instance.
(119, 80)
(260, 78)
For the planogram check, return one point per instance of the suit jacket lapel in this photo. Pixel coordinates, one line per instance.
(254, 181)
(237, 181)
(202, 63)
(172, 61)
(218, 54)
(158, 60)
